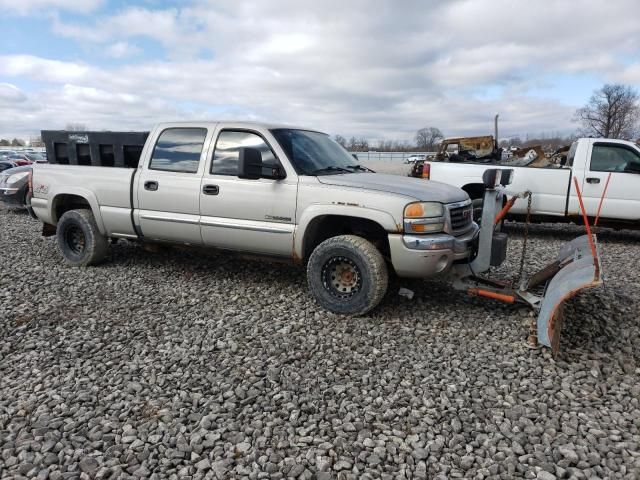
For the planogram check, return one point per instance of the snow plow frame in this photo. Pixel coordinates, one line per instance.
(576, 267)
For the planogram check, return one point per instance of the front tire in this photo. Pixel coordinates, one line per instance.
(79, 239)
(347, 275)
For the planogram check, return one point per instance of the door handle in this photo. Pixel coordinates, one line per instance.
(211, 189)
(151, 185)
(593, 180)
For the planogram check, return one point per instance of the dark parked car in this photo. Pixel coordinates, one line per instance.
(7, 164)
(14, 187)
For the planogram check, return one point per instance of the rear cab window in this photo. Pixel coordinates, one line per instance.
(178, 150)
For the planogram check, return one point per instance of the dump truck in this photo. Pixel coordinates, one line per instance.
(296, 194)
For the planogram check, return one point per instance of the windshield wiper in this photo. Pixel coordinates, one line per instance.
(361, 168)
(330, 168)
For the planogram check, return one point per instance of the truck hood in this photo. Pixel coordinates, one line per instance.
(423, 190)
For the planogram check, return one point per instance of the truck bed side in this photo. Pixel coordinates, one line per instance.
(106, 191)
(549, 185)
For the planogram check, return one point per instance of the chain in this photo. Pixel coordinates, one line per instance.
(518, 278)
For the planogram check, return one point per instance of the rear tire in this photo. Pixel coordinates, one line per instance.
(79, 239)
(347, 275)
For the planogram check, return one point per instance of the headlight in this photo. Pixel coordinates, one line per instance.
(423, 210)
(424, 217)
(16, 177)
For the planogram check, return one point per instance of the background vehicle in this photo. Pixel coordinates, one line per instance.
(6, 164)
(14, 187)
(36, 157)
(554, 197)
(414, 158)
(4, 154)
(19, 159)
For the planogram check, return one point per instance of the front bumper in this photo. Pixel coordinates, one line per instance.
(427, 255)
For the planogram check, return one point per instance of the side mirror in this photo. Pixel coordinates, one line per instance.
(632, 167)
(355, 156)
(249, 163)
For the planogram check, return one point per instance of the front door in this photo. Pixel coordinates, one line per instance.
(622, 200)
(169, 187)
(246, 215)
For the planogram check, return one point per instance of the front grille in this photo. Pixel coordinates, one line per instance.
(461, 217)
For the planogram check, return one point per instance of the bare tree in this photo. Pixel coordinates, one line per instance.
(76, 127)
(612, 112)
(16, 142)
(341, 140)
(427, 138)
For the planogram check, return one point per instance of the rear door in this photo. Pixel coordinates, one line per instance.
(247, 215)
(169, 186)
(622, 199)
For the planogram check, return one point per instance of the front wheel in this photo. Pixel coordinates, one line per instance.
(80, 240)
(347, 275)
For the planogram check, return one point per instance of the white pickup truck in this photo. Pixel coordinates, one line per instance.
(554, 198)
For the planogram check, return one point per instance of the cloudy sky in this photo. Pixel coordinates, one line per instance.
(380, 69)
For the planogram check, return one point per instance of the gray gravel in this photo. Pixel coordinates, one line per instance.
(179, 364)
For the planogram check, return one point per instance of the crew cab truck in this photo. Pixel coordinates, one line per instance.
(597, 164)
(289, 193)
(267, 190)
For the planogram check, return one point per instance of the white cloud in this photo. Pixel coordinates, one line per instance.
(122, 50)
(372, 68)
(10, 94)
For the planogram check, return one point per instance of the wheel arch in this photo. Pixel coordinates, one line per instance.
(76, 199)
(371, 225)
(474, 190)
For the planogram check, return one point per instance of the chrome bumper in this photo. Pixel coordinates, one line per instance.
(441, 241)
(428, 255)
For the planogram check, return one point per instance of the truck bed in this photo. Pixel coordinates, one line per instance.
(107, 189)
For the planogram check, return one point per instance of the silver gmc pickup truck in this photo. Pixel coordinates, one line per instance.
(265, 189)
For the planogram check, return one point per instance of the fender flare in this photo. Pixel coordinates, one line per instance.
(88, 195)
(383, 218)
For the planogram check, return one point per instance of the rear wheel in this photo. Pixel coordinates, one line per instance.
(347, 275)
(79, 239)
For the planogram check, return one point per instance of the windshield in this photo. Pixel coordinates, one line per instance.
(314, 153)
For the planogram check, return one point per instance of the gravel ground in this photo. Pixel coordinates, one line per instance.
(180, 364)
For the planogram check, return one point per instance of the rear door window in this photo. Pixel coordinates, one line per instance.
(178, 150)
